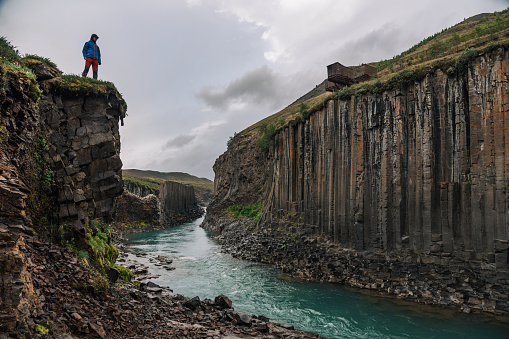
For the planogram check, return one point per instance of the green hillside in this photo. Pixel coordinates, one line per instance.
(154, 178)
(449, 50)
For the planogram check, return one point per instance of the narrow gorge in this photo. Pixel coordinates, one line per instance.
(403, 192)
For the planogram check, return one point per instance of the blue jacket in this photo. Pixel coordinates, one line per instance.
(91, 50)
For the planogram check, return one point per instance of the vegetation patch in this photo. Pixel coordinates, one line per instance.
(253, 211)
(46, 61)
(183, 178)
(7, 51)
(101, 250)
(41, 178)
(41, 329)
(73, 84)
(125, 273)
(151, 184)
(267, 139)
(467, 34)
(23, 73)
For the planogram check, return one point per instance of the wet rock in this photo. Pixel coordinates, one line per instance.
(223, 301)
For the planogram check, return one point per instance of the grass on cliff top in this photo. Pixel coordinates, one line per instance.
(8, 52)
(30, 57)
(23, 73)
(449, 50)
(71, 83)
(475, 32)
(183, 178)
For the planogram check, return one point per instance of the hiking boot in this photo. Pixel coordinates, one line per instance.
(95, 74)
(85, 71)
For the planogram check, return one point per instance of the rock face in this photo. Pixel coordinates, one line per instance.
(421, 169)
(84, 148)
(60, 152)
(139, 190)
(176, 198)
(131, 208)
(175, 204)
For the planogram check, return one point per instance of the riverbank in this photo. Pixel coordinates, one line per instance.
(76, 302)
(420, 277)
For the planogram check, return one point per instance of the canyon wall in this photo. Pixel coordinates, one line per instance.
(139, 190)
(418, 174)
(176, 200)
(174, 205)
(424, 167)
(59, 167)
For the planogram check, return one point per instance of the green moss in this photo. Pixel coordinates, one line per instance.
(42, 197)
(25, 74)
(41, 329)
(125, 273)
(252, 211)
(44, 60)
(73, 84)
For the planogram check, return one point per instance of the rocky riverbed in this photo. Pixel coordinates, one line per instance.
(76, 302)
(422, 277)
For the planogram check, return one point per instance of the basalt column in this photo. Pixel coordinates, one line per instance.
(423, 167)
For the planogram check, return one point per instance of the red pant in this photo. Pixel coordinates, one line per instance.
(93, 62)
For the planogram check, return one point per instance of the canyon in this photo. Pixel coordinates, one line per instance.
(404, 192)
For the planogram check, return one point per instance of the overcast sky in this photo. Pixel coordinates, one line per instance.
(193, 72)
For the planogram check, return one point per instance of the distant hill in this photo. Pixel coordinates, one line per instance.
(183, 178)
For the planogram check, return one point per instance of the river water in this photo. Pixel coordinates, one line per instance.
(330, 310)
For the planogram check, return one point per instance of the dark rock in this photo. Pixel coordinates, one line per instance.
(97, 330)
(193, 303)
(262, 327)
(113, 274)
(223, 301)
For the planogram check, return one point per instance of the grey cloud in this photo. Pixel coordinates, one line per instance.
(379, 43)
(254, 87)
(179, 141)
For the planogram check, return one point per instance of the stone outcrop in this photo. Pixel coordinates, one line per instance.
(59, 152)
(175, 204)
(421, 169)
(139, 190)
(131, 208)
(178, 199)
(84, 147)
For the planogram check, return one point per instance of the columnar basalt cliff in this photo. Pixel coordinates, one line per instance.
(59, 150)
(176, 198)
(415, 176)
(174, 205)
(82, 133)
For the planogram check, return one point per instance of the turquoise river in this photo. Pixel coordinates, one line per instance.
(330, 310)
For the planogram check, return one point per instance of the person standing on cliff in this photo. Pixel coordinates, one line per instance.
(92, 56)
